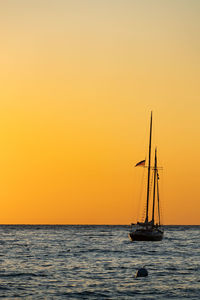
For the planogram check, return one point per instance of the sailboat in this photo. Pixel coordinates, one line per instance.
(149, 230)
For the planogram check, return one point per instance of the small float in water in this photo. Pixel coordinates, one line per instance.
(142, 272)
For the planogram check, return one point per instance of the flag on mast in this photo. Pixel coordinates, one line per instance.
(140, 164)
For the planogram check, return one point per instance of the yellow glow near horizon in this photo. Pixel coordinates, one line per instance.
(78, 82)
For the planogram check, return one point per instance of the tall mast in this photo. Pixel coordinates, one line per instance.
(149, 169)
(154, 186)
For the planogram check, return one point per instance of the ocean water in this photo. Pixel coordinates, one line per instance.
(97, 262)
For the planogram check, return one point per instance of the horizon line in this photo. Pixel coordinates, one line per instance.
(48, 224)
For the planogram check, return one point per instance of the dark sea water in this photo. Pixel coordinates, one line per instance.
(97, 262)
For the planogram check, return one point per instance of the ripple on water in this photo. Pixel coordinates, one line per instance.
(97, 262)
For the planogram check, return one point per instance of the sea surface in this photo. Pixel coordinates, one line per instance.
(97, 262)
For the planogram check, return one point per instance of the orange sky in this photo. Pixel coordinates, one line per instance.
(78, 82)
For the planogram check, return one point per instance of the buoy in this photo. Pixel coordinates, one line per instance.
(142, 272)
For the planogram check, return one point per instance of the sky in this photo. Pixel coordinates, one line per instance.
(78, 82)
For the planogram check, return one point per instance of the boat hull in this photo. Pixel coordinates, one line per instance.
(146, 235)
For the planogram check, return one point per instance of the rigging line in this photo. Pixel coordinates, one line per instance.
(162, 201)
(152, 168)
(150, 192)
(140, 194)
(151, 184)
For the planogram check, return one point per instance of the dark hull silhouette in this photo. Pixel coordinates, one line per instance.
(146, 235)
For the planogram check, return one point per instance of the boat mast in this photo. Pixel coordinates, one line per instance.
(154, 186)
(158, 199)
(149, 169)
